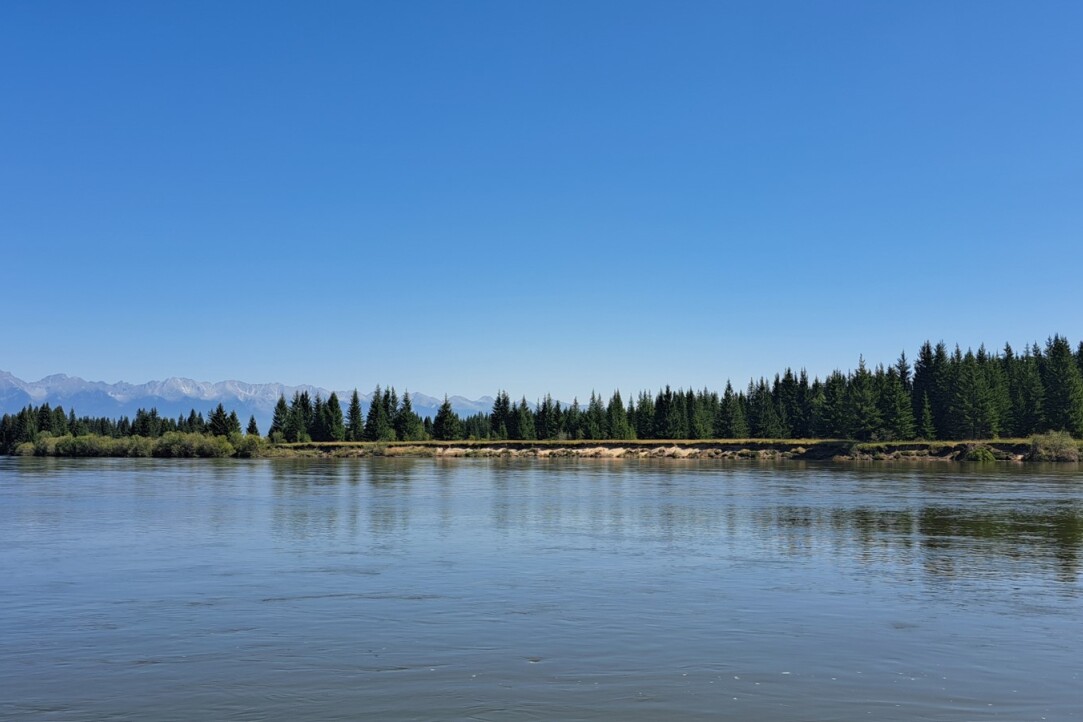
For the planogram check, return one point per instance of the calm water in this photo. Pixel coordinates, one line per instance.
(490, 590)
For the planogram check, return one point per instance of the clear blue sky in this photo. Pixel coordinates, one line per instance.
(560, 196)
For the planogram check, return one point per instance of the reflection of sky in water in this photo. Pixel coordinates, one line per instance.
(591, 589)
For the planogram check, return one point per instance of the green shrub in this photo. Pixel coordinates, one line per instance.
(24, 449)
(177, 445)
(90, 445)
(979, 452)
(1053, 446)
(45, 445)
(137, 446)
(248, 447)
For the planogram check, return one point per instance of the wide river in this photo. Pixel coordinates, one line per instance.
(539, 590)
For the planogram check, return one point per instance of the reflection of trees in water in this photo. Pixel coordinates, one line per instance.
(946, 541)
(324, 498)
(1052, 531)
(390, 495)
(681, 506)
(306, 498)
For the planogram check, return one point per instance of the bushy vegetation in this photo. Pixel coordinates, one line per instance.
(172, 445)
(979, 452)
(1054, 446)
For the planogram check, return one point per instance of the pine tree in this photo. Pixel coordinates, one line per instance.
(305, 411)
(500, 418)
(667, 416)
(926, 428)
(296, 428)
(922, 386)
(902, 370)
(730, 422)
(1027, 395)
(895, 408)
(572, 419)
(355, 425)
(447, 426)
(219, 422)
(617, 425)
(972, 414)
(997, 382)
(335, 428)
(60, 422)
(701, 415)
(940, 393)
(863, 413)
(645, 416)
(408, 425)
(378, 423)
(391, 403)
(548, 420)
(785, 395)
(319, 428)
(524, 421)
(1063, 388)
(763, 421)
(253, 428)
(593, 423)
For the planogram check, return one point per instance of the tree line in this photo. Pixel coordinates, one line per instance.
(941, 396)
(44, 426)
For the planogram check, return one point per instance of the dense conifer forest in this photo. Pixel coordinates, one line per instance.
(942, 395)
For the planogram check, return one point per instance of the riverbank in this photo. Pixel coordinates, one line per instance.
(1045, 447)
(764, 449)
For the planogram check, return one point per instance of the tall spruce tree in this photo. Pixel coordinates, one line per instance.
(645, 416)
(500, 420)
(278, 421)
(864, 416)
(336, 429)
(593, 423)
(763, 421)
(926, 427)
(446, 426)
(408, 425)
(573, 417)
(922, 384)
(1027, 395)
(219, 422)
(701, 415)
(896, 411)
(972, 413)
(378, 422)
(1063, 388)
(731, 422)
(617, 424)
(548, 420)
(355, 422)
(319, 426)
(667, 416)
(524, 421)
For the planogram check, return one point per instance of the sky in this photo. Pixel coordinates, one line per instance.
(461, 197)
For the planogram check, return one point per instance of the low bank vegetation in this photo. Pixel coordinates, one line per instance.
(172, 445)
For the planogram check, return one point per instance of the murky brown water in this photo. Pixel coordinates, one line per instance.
(489, 590)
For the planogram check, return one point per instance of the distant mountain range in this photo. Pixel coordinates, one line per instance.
(176, 396)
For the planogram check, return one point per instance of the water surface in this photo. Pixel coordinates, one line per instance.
(521, 590)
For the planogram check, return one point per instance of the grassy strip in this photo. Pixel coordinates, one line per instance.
(572, 443)
(1043, 447)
